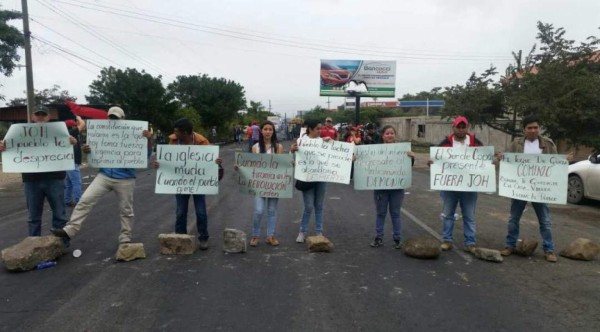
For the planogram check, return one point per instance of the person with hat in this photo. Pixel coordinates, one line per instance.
(73, 179)
(119, 180)
(329, 130)
(460, 137)
(371, 135)
(255, 134)
(48, 185)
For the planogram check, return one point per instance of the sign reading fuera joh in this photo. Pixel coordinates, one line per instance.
(382, 166)
(117, 143)
(373, 78)
(187, 169)
(37, 147)
(265, 175)
(541, 178)
(463, 169)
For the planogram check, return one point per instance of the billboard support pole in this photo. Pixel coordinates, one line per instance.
(357, 110)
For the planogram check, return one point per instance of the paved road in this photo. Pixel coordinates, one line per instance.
(355, 288)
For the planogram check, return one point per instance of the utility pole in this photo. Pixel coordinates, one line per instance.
(28, 62)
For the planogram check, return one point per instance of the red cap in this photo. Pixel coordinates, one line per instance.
(70, 123)
(460, 119)
(253, 122)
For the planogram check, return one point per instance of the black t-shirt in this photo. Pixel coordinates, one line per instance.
(77, 147)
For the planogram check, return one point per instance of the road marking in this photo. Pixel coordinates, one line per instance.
(416, 220)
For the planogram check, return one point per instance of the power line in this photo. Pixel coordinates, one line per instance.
(69, 52)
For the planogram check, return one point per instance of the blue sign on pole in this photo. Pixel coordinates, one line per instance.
(422, 103)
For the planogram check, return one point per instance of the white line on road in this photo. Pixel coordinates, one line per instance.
(434, 234)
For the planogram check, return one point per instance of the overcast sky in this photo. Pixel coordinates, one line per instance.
(273, 47)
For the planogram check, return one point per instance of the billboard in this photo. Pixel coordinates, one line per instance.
(372, 78)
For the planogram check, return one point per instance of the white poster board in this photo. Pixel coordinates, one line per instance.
(463, 169)
(117, 143)
(382, 166)
(320, 161)
(187, 169)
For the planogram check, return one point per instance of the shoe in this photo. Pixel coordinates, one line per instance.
(254, 241)
(300, 238)
(59, 232)
(397, 244)
(446, 246)
(507, 251)
(469, 248)
(378, 242)
(319, 234)
(550, 257)
(203, 245)
(271, 240)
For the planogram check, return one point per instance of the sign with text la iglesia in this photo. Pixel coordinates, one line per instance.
(373, 78)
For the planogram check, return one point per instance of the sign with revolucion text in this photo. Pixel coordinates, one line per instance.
(265, 175)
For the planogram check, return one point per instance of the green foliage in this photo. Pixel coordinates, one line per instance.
(10, 41)
(52, 95)
(256, 111)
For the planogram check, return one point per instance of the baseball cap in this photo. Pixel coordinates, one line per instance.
(328, 119)
(41, 109)
(459, 120)
(116, 111)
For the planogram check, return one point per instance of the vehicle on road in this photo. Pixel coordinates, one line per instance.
(584, 180)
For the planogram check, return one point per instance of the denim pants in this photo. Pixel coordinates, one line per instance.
(53, 191)
(73, 185)
(467, 201)
(543, 214)
(259, 209)
(392, 200)
(182, 212)
(313, 200)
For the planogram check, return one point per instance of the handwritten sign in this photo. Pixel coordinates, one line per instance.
(463, 169)
(382, 166)
(117, 143)
(317, 160)
(187, 169)
(541, 178)
(265, 175)
(37, 147)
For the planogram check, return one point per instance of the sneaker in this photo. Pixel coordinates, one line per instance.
(469, 248)
(59, 232)
(271, 240)
(300, 238)
(397, 244)
(446, 246)
(550, 257)
(507, 251)
(377, 242)
(203, 245)
(319, 234)
(254, 241)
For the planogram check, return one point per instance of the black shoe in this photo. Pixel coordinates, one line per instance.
(59, 232)
(377, 242)
(397, 244)
(203, 245)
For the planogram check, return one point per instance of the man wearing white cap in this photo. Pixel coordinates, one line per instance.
(328, 130)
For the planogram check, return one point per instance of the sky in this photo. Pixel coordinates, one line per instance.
(273, 48)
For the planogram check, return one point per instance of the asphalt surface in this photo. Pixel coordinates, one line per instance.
(285, 288)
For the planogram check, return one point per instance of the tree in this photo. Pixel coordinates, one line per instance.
(10, 41)
(142, 96)
(52, 95)
(217, 100)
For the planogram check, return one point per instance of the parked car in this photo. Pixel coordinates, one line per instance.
(584, 180)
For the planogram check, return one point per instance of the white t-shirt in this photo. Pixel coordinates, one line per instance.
(462, 144)
(256, 148)
(532, 146)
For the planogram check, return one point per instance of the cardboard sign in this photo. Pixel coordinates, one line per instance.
(317, 160)
(37, 147)
(265, 175)
(541, 178)
(463, 169)
(187, 169)
(382, 166)
(117, 143)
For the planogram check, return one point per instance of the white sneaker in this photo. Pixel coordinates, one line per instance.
(300, 238)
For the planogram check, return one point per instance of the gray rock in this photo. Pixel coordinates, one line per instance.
(422, 247)
(130, 251)
(485, 254)
(177, 244)
(234, 241)
(581, 249)
(319, 244)
(526, 247)
(24, 256)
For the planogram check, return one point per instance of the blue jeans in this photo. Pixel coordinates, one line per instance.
(468, 201)
(313, 200)
(543, 215)
(73, 186)
(53, 191)
(182, 212)
(391, 199)
(259, 209)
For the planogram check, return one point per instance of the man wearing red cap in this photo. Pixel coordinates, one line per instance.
(328, 130)
(460, 138)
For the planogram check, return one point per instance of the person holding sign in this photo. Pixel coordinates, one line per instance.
(532, 143)
(315, 196)
(119, 180)
(40, 185)
(267, 143)
(467, 199)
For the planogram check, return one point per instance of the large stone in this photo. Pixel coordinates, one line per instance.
(319, 243)
(27, 254)
(177, 244)
(581, 249)
(422, 247)
(525, 247)
(130, 251)
(485, 254)
(234, 241)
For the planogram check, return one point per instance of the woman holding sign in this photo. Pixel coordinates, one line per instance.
(267, 143)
